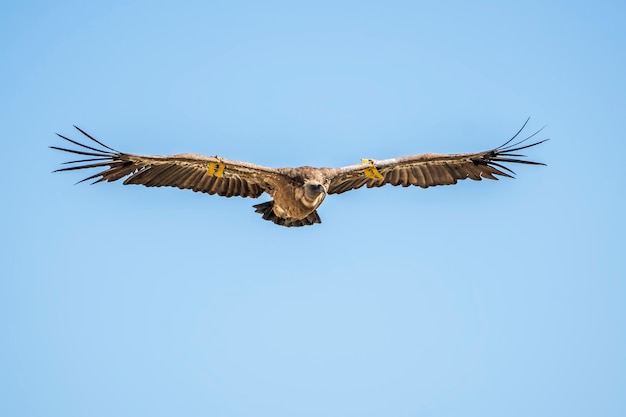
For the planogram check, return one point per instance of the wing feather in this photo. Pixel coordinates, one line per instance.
(184, 171)
(394, 177)
(427, 170)
(202, 183)
(403, 179)
(428, 174)
(419, 177)
(411, 179)
(444, 175)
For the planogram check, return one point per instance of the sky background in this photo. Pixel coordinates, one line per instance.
(492, 298)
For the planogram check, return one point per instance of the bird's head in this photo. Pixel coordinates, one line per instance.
(313, 190)
(314, 193)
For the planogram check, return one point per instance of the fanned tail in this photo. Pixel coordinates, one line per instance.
(267, 211)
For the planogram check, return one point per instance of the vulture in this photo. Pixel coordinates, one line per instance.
(296, 192)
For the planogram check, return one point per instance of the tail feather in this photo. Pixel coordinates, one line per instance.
(267, 210)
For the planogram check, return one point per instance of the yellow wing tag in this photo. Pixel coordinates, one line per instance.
(371, 172)
(213, 166)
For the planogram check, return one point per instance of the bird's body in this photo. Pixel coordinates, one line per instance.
(296, 192)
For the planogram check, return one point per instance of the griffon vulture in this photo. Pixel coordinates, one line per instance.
(296, 192)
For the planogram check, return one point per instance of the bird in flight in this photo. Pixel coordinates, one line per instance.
(296, 192)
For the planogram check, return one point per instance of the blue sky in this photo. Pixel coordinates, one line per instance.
(481, 299)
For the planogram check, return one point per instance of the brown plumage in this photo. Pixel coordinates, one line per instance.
(296, 192)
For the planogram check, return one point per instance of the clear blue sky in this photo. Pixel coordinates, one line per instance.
(482, 299)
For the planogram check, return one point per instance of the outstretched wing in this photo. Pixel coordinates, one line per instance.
(207, 174)
(428, 170)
